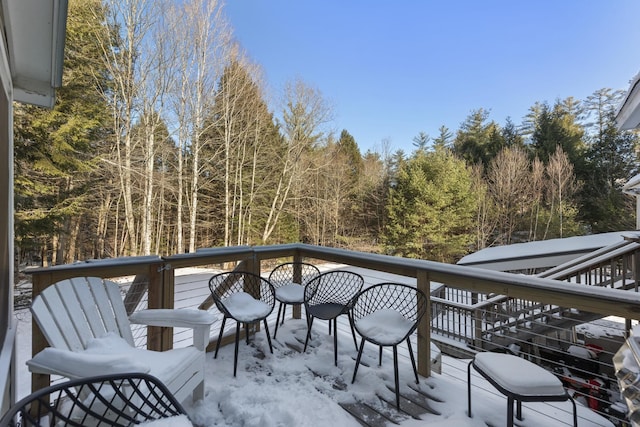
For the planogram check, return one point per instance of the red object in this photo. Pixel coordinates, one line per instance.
(595, 348)
(594, 385)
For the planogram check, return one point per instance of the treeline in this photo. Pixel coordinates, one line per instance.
(163, 141)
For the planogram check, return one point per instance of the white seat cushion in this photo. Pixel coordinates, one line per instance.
(111, 354)
(292, 293)
(386, 326)
(518, 375)
(162, 364)
(245, 308)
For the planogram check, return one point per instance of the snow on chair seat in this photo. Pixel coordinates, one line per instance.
(87, 316)
(519, 380)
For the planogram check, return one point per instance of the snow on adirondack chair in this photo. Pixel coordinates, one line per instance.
(85, 322)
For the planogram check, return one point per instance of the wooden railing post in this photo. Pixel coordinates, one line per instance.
(424, 328)
(297, 278)
(159, 338)
(253, 266)
(477, 338)
(38, 341)
(168, 279)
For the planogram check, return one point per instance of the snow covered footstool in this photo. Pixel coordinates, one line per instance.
(519, 380)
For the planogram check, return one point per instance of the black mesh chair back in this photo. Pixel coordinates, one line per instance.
(328, 296)
(244, 297)
(289, 280)
(387, 314)
(108, 400)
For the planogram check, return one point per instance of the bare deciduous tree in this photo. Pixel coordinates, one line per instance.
(129, 23)
(304, 114)
(202, 39)
(561, 186)
(508, 183)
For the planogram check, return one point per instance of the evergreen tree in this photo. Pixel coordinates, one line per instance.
(431, 208)
(243, 151)
(558, 127)
(478, 141)
(444, 138)
(511, 136)
(349, 149)
(55, 149)
(611, 160)
(421, 141)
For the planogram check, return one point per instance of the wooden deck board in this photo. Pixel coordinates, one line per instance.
(379, 411)
(366, 415)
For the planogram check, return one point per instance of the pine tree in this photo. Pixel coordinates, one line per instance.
(431, 208)
(478, 141)
(558, 127)
(612, 161)
(421, 141)
(55, 149)
(444, 138)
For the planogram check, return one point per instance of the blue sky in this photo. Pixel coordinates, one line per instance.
(391, 69)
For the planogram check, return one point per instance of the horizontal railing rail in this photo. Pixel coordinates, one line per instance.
(160, 276)
(615, 266)
(595, 257)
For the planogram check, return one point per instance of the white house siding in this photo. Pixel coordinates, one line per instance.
(7, 327)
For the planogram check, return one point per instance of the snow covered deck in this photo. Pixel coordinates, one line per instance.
(293, 388)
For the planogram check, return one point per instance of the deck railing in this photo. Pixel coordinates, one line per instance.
(481, 294)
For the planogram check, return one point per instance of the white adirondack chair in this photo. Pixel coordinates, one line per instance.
(86, 324)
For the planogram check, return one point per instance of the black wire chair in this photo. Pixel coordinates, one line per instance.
(328, 296)
(289, 280)
(387, 314)
(109, 400)
(244, 297)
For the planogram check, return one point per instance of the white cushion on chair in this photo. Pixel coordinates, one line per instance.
(162, 364)
(245, 308)
(291, 293)
(385, 326)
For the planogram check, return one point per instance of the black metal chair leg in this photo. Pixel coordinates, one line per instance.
(353, 330)
(235, 355)
(355, 371)
(469, 389)
(284, 312)
(509, 411)
(306, 341)
(224, 319)
(380, 356)
(266, 329)
(278, 320)
(335, 341)
(413, 360)
(395, 373)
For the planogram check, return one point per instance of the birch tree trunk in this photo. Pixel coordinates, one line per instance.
(129, 21)
(210, 43)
